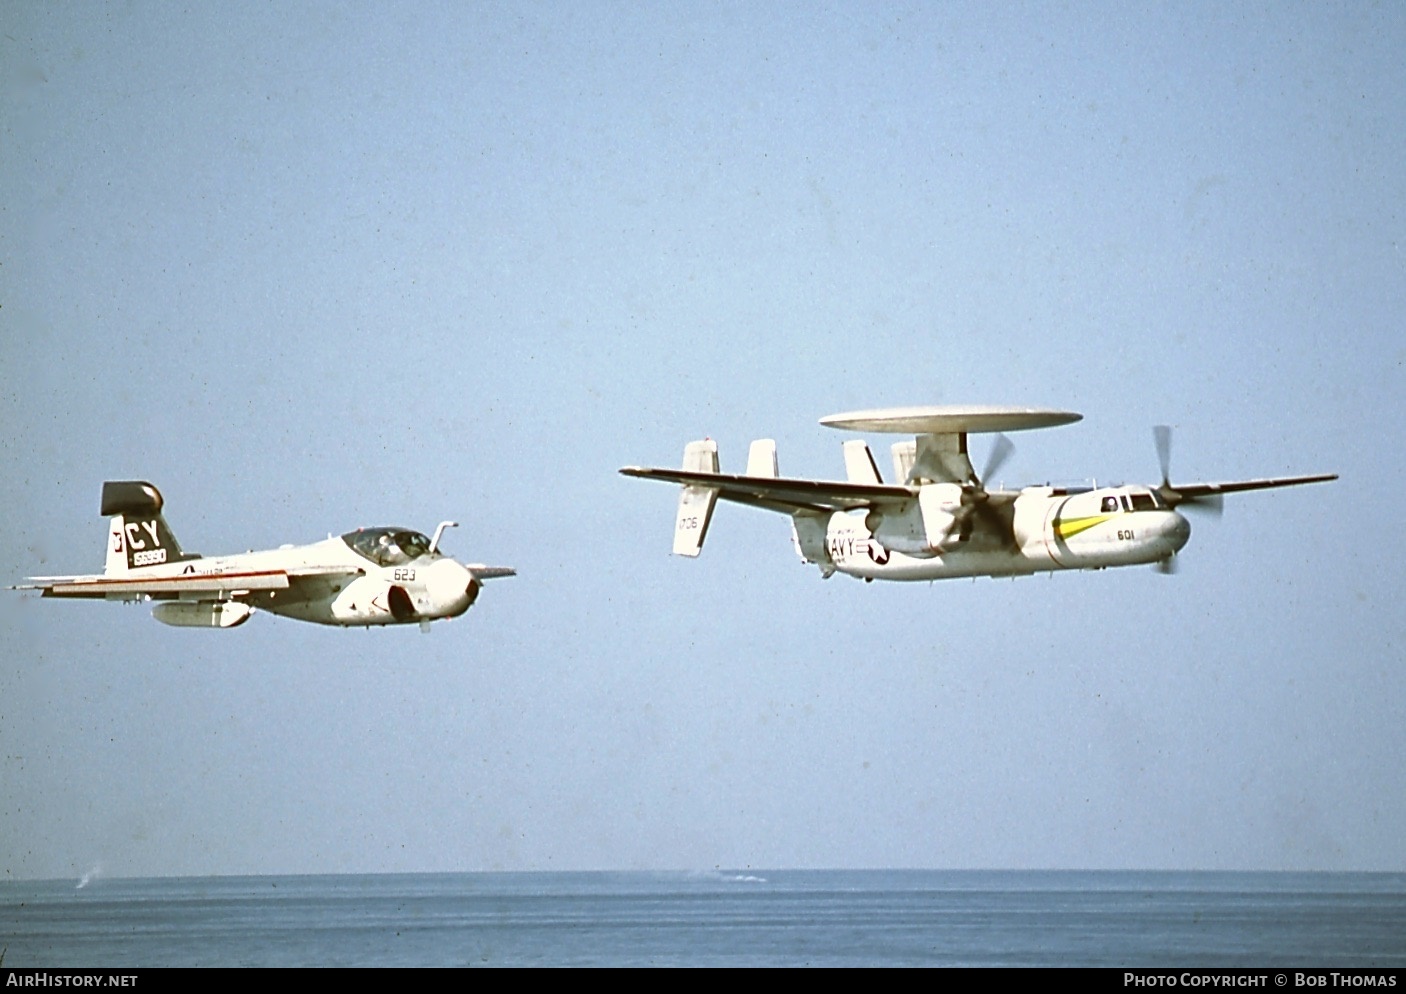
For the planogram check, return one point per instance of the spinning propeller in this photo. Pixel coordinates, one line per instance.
(1000, 452)
(975, 499)
(1212, 504)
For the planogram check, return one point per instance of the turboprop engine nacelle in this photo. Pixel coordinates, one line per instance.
(923, 527)
(202, 614)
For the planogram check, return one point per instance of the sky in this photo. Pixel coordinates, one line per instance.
(308, 267)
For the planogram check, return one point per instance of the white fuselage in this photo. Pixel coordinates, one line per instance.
(325, 582)
(1048, 530)
(386, 575)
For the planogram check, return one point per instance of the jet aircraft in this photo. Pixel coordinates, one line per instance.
(940, 520)
(371, 576)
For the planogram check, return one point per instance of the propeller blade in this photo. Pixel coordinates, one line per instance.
(998, 523)
(1212, 504)
(1000, 452)
(1163, 436)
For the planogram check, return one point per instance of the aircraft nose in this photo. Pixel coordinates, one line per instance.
(452, 588)
(1177, 531)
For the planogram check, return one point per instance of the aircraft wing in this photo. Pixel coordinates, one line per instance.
(1178, 492)
(780, 493)
(193, 586)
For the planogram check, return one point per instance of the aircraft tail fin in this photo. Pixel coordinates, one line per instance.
(808, 539)
(137, 533)
(859, 463)
(761, 459)
(905, 454)
(696, 502)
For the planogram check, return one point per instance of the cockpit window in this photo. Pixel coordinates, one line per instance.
(388, 546)
(1136, 501)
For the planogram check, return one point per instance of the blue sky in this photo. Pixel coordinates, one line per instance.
(309, 267)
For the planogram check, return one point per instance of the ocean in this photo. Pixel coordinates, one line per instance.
(713, 919)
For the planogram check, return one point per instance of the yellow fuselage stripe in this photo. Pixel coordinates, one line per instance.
(1070, 527)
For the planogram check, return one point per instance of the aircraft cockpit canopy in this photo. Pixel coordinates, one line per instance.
(1134, 500)
(388, 546)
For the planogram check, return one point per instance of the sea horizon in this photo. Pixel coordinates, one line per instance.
(717, 917)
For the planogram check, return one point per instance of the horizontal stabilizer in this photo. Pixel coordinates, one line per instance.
(783, 493)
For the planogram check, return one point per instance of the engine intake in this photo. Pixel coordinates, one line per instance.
(402, 607)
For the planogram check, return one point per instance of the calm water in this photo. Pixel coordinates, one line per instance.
(778, 918)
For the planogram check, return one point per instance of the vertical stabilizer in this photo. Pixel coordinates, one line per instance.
(808, 536)
(859, 463)
(116, 546)
(696, 501)
(137, 533)
(761, 458)
(904, 455)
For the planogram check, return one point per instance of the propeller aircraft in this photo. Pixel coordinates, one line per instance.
(371, 576)
(940, 520)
